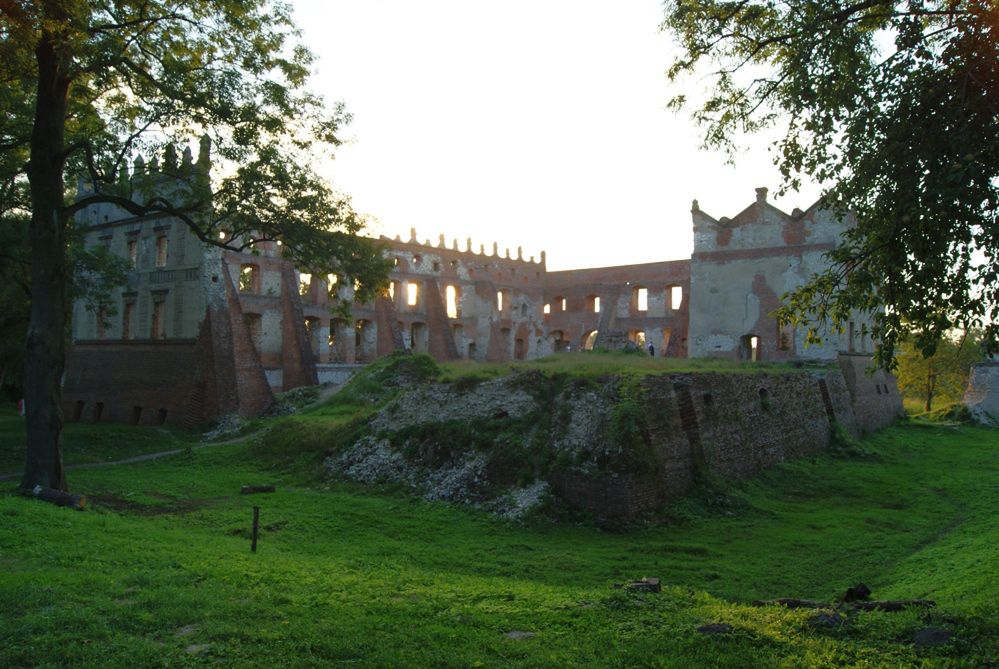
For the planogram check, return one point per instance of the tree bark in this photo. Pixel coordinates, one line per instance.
(46, 342)
(931, 383)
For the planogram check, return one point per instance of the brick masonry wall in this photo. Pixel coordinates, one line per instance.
(122, 375)
(731, 426)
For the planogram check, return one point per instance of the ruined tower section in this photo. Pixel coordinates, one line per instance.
(608, 307)
(739, 271)
(132, 363)
(176, 346)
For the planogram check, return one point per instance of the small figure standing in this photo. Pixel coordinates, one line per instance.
(652, 350)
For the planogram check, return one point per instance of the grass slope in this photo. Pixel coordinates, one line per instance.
(159, 572)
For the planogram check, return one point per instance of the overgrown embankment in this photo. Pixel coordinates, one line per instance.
(614, 445)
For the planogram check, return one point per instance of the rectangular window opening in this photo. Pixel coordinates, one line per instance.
(675, 297)
(642, 299)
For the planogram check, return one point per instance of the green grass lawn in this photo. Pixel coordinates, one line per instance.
(159, 571)
(88, 442)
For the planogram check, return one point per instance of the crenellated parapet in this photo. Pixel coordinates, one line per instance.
(413, 243)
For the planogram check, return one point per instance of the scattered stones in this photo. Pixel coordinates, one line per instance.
(438, 403)
(229, 426)
(186, 630)
(715, 628)
(857, 593)
(370, 461)
(642, 585)
(829, 620)
(520, 502)
(932, 636)
(197, 648)
(459, 482)
(519, 634)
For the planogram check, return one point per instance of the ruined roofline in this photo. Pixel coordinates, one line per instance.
(427, 246)
(747, 214)
(186, 167)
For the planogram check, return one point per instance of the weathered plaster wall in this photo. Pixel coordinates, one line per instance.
(875, 396)
(982, 395)
(740, 269)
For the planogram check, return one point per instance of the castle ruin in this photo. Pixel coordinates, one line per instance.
(201, 332)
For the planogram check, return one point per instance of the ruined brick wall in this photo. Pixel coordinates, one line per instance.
(143, 382)
(482, 325)
(731, 426)
(663, 321)
(740, 269)
(875, 397)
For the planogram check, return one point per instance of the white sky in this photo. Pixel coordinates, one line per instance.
(539, 123)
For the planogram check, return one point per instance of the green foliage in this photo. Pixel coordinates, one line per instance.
(942, 376)
(159, 573)
(88, 86)
(891, 106)
(629, 431)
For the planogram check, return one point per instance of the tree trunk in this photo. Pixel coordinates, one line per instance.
(46, 342)
(931, 382)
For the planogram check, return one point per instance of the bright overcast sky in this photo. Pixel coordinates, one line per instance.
(539, 123)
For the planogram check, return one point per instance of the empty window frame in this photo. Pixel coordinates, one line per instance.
(132, 249)
(640, 298)
(675, 294)
(412, 294)
(249, 279)
(749, 348)
(162, 247)
(593, 303)
(127, 315)
(312, 326)
(157, 329)
(452, 299)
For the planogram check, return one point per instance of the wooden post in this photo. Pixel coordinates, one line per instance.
(256, 526)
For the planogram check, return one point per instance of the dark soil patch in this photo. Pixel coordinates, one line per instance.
(174, 505)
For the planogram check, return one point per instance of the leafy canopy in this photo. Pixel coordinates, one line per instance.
(893, 106)
(146, 76)
(942, 377)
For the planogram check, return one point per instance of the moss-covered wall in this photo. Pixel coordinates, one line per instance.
(614, 446)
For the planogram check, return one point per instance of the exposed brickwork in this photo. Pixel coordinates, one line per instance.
(298, 365)
(117, 375)
(727, 425)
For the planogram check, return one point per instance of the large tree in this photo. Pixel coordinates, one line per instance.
(88, 84)
(943, 376)
(893, 106)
